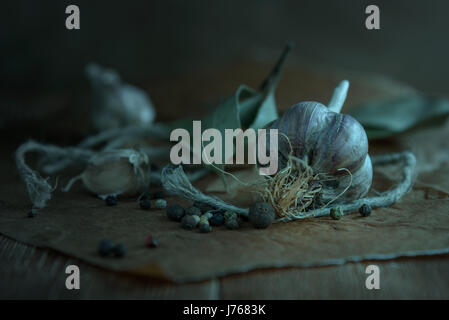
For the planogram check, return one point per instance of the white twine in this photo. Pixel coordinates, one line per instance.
(175, 181)
(39, 190)
(114, 139)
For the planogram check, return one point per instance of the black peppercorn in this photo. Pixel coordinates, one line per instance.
(105, 247)
(365, 210)
(145, 204)
(119, 250)
(261, 215)
(217, 219)
(175, 212)
(193, 211)
(111, 201)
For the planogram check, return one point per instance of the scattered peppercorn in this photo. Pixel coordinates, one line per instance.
(261, 215)
(336, 213)
(151, 242)
(193, 211)
(111, 200)
(230, 215)
(145, 204)
(105, 247)
(204, 224)
(190, 222)
(365, 210)
(217, 219)
(175, 212)
(205, 227)
(119, 250)
(232, 224)
(159, 195)
(231, 220)
(160, 204)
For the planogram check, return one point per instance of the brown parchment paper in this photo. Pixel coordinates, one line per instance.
(74, 223)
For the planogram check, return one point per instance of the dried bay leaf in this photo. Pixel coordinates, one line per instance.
(246, 108)
(383, 119)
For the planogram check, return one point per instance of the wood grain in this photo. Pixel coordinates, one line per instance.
(31, 273)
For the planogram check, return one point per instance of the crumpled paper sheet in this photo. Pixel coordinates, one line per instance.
(75, 222)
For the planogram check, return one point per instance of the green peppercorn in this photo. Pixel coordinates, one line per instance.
(336, 213)
(205, 228)
(175, 212)
(230, 215)
(261, 215)
(204, 224)
(365, 210)
(208, 215)
(160, 204)
(193, 211)
(232, 224)
(190, 222)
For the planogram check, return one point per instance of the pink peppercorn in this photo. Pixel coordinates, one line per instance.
(151, 242)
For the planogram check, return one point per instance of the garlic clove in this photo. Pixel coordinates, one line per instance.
(117, 172)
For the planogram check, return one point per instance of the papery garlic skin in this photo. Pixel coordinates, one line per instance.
(331, 143)
(117, 172)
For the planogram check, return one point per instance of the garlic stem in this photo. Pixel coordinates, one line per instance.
(339, 97)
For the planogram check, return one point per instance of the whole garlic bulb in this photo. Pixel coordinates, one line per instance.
(331, 143)
(116, 172)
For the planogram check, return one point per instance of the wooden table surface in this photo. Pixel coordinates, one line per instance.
(31, 273)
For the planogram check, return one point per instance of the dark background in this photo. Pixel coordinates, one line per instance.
(191, 51)
(148, 39)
